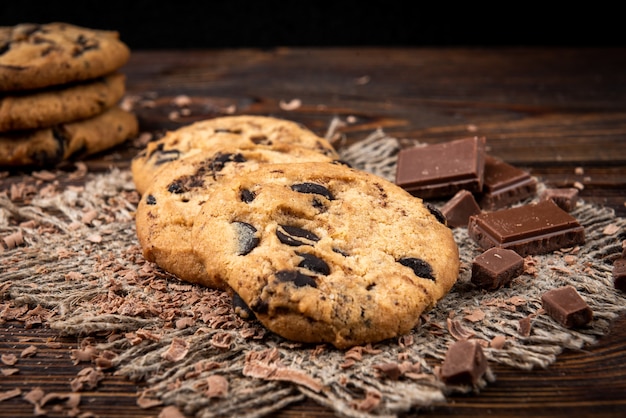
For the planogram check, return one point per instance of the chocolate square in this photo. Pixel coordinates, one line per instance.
(535, 228)
(458, 209)
(496, 267)
(505, 184)
(441, 170)
(567, 307)
(565, 198)
(464, 364)
(619, 274)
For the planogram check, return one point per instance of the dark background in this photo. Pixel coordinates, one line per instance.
(219, 24)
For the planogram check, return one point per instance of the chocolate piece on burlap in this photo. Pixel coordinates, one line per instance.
(535, 228)
(619, 273)
(465, 363)
(440, 170)
(496, 267)
(567, 307)
(174, 335)
(564, 197)
(504, 184)
(459, 209)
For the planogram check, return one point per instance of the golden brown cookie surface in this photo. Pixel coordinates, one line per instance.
(66, 103)
(168, 208)
(33, 56)
(50, 146)
(243, 131)
(321, 252)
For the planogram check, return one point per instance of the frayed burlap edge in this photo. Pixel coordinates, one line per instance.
(194, 353)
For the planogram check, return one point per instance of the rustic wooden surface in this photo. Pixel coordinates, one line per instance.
(560, 113)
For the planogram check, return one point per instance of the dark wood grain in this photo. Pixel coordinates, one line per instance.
(558, 112)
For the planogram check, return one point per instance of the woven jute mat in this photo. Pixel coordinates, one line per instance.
(73, 263)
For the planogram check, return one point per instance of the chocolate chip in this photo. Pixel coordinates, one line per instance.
(342, 162)
(176, 187)
(221, 159)
(318, 204)
(247, 196)
(164, 156)
(260, 306)
(150, 200)
(228, 131)
(313, 188)
(340, 251)
(436, 213)
(297, 278)
(420, 267)
(314, 263)
(246, 235)
(261, 140)
(289, 234)
(241, 309)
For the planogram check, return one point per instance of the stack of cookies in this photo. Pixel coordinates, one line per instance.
(60, 92)
(315, 250)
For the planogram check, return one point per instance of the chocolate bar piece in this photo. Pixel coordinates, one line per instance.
(496, 267)
(567, 307)
(464, 363)
(619, 274)
(505, 184)
(441, 170)
(535, 228)
(458, 209)
(565, 198)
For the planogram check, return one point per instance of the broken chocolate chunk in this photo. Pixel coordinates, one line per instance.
(459, 209)
(567, 307)
(504, 184)
(619, 274)
(535, 228)
(246, 237)
(464, 364)
(441, 170)
(314, 263)
(290, 235)
(297, 278)
(420, 267)
(496, 267)
(313, 188)
(566, 197)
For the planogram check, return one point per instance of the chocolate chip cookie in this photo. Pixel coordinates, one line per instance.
(36, 109)
(34, 56)
(50, 146)
(320, 252)
(166, 212)
(244, 132)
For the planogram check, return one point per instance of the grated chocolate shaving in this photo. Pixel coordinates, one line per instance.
(177, 350)
(9, 394)
(458, 331)
(28, 351)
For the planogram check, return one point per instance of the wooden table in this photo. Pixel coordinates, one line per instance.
(560, 113)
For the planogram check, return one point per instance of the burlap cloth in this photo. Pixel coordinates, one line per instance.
(77, 264)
